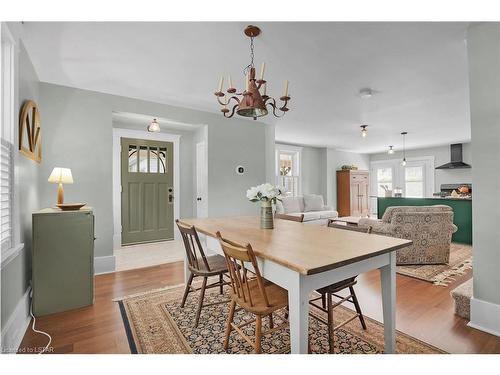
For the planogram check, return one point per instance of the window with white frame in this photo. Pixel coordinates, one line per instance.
(415, 179)
(384, 180)
(288, 169)
(7, 141)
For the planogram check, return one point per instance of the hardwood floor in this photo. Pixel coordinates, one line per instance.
(424, 311)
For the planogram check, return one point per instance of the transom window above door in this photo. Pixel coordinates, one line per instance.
(146, 159)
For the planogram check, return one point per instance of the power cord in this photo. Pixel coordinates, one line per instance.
(37, 331)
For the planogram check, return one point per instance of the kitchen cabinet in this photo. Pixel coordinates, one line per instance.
(353, 189)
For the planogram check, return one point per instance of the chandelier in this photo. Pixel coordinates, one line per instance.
(250, 102)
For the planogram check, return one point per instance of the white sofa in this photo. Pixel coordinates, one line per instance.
(309, 205)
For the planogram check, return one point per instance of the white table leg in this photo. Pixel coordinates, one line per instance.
(388, 279)
(298, 305)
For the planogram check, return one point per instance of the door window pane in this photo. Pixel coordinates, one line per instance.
(414, 182)
(132, 158)
(153, 160)
(143, 159)
(163, 160)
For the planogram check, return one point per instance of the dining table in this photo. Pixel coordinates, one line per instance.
(302, 258)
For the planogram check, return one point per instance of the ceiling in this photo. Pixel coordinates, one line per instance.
(419, 71)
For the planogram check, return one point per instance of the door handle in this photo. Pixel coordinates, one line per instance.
(198, 199)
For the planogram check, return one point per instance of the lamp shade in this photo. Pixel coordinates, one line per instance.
(61, 176)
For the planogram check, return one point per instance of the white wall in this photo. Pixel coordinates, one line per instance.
(484, 75)
(441, 156)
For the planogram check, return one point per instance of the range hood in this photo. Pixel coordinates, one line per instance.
(456, 158)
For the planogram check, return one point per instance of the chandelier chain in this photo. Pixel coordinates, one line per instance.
(249, 66)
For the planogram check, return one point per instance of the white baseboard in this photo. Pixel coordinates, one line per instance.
(485, 316)
(104, 264)
(15, 328)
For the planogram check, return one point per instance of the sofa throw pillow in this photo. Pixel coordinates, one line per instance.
(291, 204)
(313, 202)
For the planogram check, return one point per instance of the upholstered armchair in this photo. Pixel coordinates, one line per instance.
(429, 227)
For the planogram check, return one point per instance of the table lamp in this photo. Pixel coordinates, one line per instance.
(61, 176)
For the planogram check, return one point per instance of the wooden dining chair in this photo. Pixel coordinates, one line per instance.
(251, 292)
(299, 218)
(200, 265)
(327, 293)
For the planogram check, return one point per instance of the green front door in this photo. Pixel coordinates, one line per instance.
(147, 191)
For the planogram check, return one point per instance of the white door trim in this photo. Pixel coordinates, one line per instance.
(204, 177)
(119, 133)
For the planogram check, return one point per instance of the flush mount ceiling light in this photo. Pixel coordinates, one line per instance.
(366, 93)
(250, 102)
(154, 127)
(391, 150)
(364, 131)
(403, 162)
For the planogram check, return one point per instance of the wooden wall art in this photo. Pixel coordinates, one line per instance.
(30, 137)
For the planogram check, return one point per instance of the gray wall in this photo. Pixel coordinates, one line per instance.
(78, 135)
(441, 156)
(17, 273)
(312, 169)
(313, 176)
(484, 77)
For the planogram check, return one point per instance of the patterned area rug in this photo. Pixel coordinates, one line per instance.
(156, 324)
(442, 274)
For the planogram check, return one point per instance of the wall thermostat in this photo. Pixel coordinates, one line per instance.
(240, 169)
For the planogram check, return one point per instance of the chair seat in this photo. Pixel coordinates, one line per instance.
(334, 288)
(277, 296)
(217, 264)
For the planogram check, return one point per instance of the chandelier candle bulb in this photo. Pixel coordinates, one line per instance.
(230, 82)
(221, 82)
(262, 70)
(285, 91)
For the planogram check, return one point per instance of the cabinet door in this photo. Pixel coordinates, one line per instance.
(62, 262)
(355, 206)
(364, 198)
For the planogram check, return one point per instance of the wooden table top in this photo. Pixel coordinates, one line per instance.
(304, 248)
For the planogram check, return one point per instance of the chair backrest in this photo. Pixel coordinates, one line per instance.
(332, 224)
(299, 218)
(238, 257)
(194, 250)
(393, 210)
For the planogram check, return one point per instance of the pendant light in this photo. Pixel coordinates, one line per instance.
(391, 150)
(403, 162)
(364, 131)
(154, 127)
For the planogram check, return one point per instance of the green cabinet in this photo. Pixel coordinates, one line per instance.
(62, 260)
(462, 212)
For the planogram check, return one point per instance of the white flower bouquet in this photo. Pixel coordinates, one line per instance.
(264, 193)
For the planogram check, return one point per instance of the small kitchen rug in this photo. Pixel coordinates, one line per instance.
(442, 274)
(156, 324)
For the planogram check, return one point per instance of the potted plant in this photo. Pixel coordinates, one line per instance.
(266, 194)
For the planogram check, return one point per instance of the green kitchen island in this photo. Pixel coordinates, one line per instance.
(462, 212)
